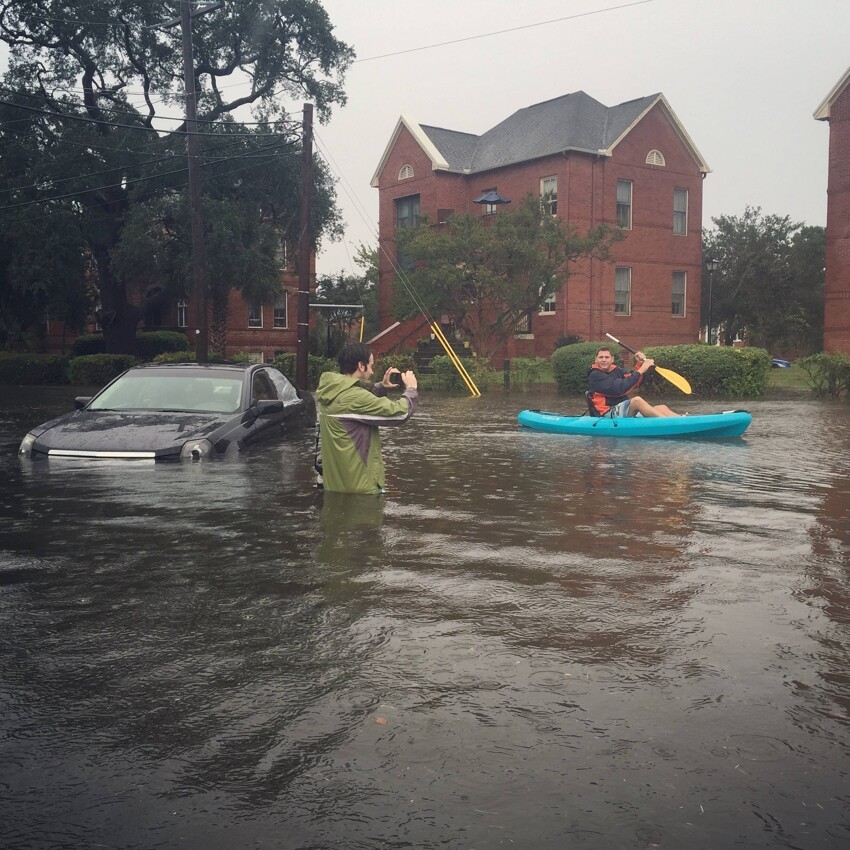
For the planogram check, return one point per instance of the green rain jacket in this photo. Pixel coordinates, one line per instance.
(349, 417)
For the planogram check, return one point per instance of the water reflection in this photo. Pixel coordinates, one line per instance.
(531, 641)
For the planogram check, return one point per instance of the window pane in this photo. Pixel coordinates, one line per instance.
(280, 311)
(549, 194)
(680, 211)
(680, 283)
(255, 316)
(622, 292)
(624, 203)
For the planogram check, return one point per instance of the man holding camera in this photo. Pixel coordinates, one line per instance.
(350, 415)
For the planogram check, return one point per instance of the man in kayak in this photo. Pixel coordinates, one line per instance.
(608, 387)
(349, 416)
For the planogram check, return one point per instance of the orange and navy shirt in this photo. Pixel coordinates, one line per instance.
(609, 388)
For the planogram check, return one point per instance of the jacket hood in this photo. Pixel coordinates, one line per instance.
(331, 384)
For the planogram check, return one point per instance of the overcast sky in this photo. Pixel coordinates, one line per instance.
(743, 76)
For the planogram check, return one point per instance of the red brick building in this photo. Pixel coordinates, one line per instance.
(260, 330)
(835, 109)
(632, 164)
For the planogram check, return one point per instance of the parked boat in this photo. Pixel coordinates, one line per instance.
(730, 423)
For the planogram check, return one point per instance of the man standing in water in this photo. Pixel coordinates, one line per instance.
(608, 387)
(349, 417)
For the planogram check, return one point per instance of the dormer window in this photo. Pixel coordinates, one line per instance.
(655, 157)
(406, 172)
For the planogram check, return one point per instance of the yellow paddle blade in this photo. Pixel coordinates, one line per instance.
(676, 379)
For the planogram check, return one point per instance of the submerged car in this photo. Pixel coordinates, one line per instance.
(182, 411)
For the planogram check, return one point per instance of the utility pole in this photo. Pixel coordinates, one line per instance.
(304, 249)
(193, 149)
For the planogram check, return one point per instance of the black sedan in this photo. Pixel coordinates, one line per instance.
(172, 412)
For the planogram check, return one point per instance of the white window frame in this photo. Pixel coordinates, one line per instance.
(680, 217)
(683, 277)
(253, 309)
(282, 302)
(623, 274)
(183, 313)
(405, 172)
(549, 193)
(626, 185)
(655, 157)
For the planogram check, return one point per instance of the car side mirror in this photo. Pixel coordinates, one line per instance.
(81, 401)
(268, 407)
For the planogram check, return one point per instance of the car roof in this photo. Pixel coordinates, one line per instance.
(235, 367)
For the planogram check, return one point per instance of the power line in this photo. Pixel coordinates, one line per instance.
(502, 32)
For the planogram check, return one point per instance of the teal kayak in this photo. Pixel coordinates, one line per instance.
(730, 423)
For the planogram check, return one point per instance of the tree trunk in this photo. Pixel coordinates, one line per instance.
(118, 318)
(218, 325)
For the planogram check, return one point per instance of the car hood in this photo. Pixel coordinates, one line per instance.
(126, 431)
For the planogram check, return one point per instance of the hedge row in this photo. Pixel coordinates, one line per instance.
(148, 344)
(710, 370)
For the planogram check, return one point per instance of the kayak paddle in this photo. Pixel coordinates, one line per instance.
(668, 374)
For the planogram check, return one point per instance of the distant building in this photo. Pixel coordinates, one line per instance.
(633, 164)
(835, 109)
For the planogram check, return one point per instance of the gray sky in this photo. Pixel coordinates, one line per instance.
(743, 76)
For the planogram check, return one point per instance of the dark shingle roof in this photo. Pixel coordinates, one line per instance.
(571, 122)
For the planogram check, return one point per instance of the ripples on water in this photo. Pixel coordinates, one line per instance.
(532, 641)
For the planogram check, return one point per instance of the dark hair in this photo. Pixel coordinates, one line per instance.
(604, 348)
(351, 355)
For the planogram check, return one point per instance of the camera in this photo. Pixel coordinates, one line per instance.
(395, 379)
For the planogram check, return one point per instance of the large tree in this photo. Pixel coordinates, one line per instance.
(488, 273)
(769, 281)
(95, 90)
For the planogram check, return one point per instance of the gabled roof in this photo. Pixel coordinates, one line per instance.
(822, 113)
(574, 122)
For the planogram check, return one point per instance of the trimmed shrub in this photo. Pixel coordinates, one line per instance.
(315, 366)
(712, 370)
(19, 368)
(148, 344)
(403, 361)
(527, 370)
(176, 357)
(96, 370)
(88, 344)
(151, 343)
(829, 374)
(448, 377)
(571, 362)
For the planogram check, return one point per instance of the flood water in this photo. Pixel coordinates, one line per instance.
(532, 641)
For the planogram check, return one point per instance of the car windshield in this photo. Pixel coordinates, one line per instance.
(202, 391)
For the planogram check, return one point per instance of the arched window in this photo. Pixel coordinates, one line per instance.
(655, 157)
(406, 172)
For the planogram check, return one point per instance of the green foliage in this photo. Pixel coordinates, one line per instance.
(315, 366)
(88, 344)
(23, 368)
(570, 364)
(149, 344)
(98, 369)
(402, 360)
(129, 227)
(488, 274)
(152, 343)
(527, 370)
(447, 376)
(828, 374)
(175, 357)
(769, 283)
(723, 371)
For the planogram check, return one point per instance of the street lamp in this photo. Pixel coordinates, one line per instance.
(711, 265)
